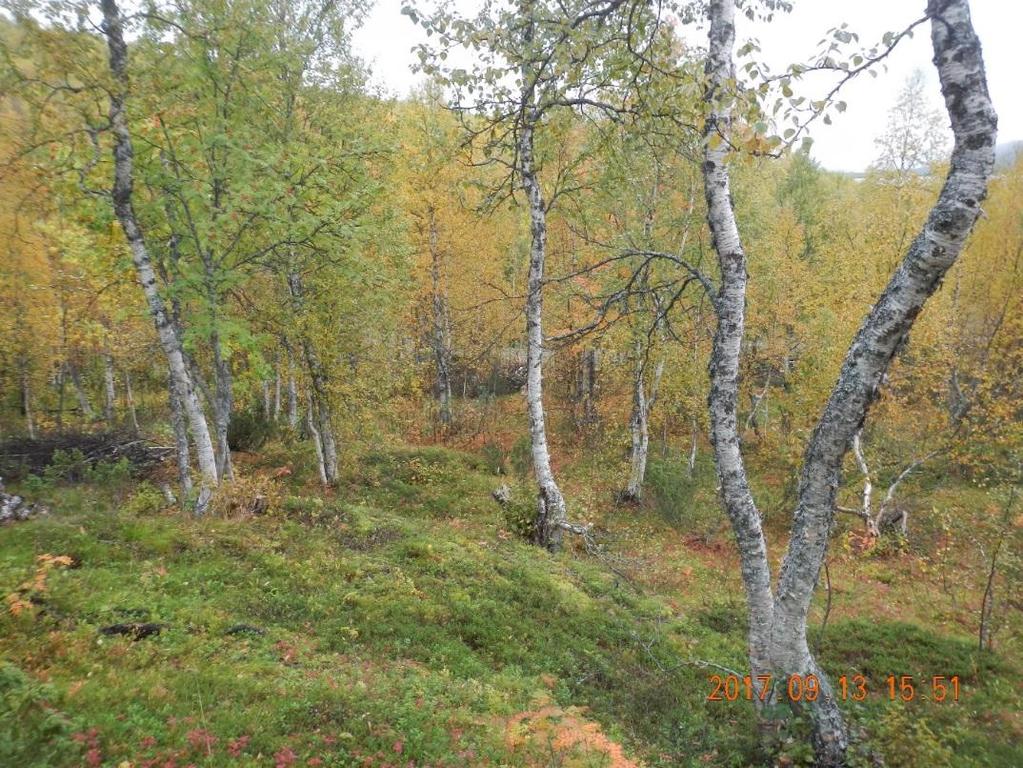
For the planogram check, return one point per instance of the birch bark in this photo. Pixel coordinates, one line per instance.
(778, 620)
(724, 360)
(551, 512)
(123, 208)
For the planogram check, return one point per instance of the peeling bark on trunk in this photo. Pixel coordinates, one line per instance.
(778, 622)
(724, 360)
(123, 208)
(551, 512)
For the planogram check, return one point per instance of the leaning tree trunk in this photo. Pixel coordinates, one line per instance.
(960, 67)
(124, 209)
(551, 513)
(957, 56)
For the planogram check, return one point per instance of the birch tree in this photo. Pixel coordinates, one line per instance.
(121, 194)
(778, 616)
(535, 59)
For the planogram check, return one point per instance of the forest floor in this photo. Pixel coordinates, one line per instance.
(399, 621)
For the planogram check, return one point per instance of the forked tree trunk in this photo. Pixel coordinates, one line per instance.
(778, 621)
(551, 512)
(123, 208)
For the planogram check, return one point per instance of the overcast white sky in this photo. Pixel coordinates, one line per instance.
(386, 40)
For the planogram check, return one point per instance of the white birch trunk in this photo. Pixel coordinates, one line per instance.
(84, 407)
(129, 402)
(960, 66)
(109, 390)
(551, 512)
(123, 208)
(639, 424)
(179, 425)
(961, 72)
(736, 496)
(314, 433)
(277, 388)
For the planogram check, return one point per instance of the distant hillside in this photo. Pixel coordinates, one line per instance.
(1005, 155)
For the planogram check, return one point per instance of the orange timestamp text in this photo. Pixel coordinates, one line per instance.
(940, 688)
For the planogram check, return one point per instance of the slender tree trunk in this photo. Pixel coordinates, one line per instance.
(292, 393)
(26, 401)
(179, 425)
(639, 423)
(691, 459)
(310, 421)
(84, 407)
(61, 390)
(109, 391)
(730, 302)
(129, 401)
(277, 388)
(123, 208)
(551, 512)
(441, 337)
(318, 392)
